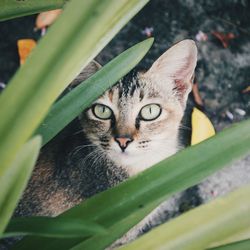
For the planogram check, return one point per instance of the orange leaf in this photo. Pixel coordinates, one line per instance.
(25, 46)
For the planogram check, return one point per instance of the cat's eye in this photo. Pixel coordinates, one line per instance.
(102, 111)
(150, 112)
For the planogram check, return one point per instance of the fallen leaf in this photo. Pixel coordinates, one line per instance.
(46, 18)
(202, 127)
(25, 46)
(246, 90)
(224, 38)
(196, 95)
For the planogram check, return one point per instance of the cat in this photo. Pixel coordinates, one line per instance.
(140, 115)
(132, 126)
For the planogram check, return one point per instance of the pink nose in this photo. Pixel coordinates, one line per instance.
(123, 142)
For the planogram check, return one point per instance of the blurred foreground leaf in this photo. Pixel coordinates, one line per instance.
(240, 245)
(12, 8)
(237, 237)
(201, 226)
(15, 179)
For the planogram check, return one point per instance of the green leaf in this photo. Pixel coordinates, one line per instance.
(142, 193)
(240, 245)
(70, 106)
(77, 36)
(51, 227)
(15, 179)
(101, 241)
(200, 227)
(14, 8)
(239, 236)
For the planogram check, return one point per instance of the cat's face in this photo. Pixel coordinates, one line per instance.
(136, 122)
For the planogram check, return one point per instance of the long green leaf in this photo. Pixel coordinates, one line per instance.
(154, 185)
(13, 8)
(102, 241)
(66, 109)
(240, 245)
(14, 181)
(200, 227)
(239, 236)
(51, 227)
(79, 33)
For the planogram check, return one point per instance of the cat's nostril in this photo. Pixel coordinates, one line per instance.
(123, 142)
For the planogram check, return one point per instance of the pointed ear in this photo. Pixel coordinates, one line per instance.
(177, 64)
(88, 71)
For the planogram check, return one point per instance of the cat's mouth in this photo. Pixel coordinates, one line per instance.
(122, 152)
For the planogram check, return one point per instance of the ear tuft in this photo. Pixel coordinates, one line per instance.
(177, 64)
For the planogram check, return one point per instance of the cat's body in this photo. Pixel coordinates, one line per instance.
(132, 126)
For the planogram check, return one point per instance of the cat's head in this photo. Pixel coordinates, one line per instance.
(136, 122)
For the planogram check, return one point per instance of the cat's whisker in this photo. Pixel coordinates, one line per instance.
(88, 157)
(78, 132)
(97, 159)
(184, 127)
(77, 149)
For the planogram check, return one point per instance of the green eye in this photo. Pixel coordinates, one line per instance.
(150, 112)
(102, 111)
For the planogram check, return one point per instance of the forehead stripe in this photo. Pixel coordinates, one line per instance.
(132, 91)
(141, 96)
(110, 94)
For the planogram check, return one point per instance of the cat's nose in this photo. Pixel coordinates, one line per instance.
(123, 141)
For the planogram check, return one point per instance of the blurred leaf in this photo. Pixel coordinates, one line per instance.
(140, 194)
(239, 236)
(15, 179)
(240, 245)
(51, 227)
(71, 105)
(201, 226)
(77, 36)
(12, 8)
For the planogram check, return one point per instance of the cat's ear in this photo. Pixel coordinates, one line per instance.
(177, 64)
(88, 71)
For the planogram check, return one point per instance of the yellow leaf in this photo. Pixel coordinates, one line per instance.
(202, 128)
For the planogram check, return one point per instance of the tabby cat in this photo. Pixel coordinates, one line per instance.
(132, 126)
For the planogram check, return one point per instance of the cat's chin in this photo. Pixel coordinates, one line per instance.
(134, 163)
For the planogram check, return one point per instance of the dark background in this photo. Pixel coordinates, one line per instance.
(222, 73)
